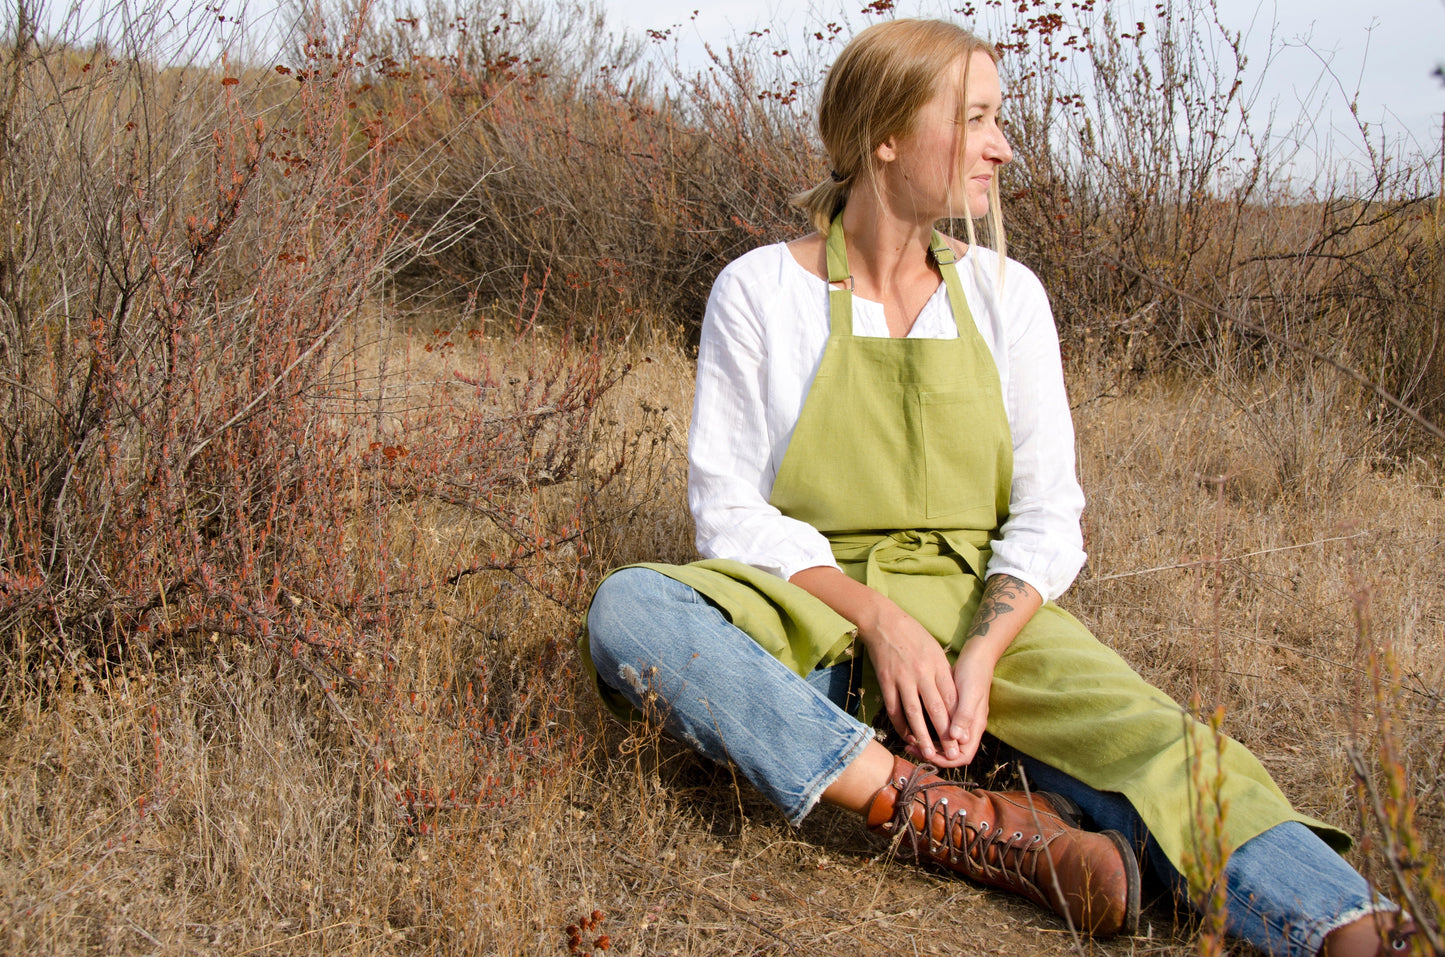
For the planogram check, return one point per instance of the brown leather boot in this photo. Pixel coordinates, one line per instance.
(1014, 841)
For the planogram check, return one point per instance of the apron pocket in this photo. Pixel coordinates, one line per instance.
(961, 456)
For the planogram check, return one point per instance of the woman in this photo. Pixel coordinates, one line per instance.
(882, 476)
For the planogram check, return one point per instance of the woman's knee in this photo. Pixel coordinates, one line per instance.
(626, 613)
(614, 605)
(618, 593)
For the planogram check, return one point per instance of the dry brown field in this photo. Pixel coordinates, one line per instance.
(330, 386)
(220, 803)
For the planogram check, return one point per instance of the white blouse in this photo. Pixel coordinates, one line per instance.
(762, 339)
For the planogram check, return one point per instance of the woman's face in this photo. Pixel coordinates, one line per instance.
(928, 167)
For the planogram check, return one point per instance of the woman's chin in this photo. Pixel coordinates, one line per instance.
(977, 209)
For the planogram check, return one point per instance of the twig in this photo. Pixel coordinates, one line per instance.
(268, 945)
(1348, 370)
(320, 341)
(1213, 560)
(1393, 852)
(1053, 876)
(34, 392)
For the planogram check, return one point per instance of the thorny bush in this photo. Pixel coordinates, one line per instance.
(204, 432)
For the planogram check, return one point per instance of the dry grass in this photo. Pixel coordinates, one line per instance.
(1261, 551)
(220, 803)
(314, 689)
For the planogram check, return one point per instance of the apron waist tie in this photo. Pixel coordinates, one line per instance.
(886, 552)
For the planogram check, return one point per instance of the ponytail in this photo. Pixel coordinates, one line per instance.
(824, 201)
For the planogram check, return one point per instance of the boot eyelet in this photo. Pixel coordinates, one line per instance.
(1018, 835)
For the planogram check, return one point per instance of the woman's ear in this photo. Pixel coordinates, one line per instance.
(886, 151)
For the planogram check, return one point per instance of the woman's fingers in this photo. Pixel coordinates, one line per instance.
(969, 719)
(965, 741)
(925, 712)
(918, 733)
(918, 707)
(919, 691)
(902, 704)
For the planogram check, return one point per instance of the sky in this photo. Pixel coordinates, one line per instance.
(1379, 53)
(1315, 56)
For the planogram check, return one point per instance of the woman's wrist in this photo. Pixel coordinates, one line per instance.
(880, 617)
(867, 608)
(983, 651)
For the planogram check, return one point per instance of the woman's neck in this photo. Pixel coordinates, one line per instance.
(883, 245)
(888, 258)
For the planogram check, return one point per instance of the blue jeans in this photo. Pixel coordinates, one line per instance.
(674, 654)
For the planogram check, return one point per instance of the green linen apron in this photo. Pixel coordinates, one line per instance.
(902, 456)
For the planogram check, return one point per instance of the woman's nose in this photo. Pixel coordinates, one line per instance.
(997, 148)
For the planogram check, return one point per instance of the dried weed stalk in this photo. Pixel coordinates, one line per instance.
(1386, 789)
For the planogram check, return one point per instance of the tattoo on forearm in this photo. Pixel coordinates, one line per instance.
(998, 595)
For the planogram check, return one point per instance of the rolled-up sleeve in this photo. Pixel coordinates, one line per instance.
(730, 453)
(1041, 543)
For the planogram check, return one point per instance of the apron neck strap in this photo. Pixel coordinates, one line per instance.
(840, 281)
(944, 256)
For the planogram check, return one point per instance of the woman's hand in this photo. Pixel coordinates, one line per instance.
(919, 691)
(921, 694)
(972, 677)
(1006, 606)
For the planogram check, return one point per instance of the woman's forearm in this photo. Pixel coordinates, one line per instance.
(863, 606)
(913, 673)
(1008, 604)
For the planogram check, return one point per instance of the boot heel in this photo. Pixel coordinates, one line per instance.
(1131, 908)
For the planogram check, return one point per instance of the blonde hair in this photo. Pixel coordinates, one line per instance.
(873, 93)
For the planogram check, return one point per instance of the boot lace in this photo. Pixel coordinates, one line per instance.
(981, 850)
